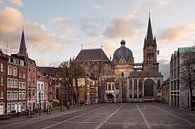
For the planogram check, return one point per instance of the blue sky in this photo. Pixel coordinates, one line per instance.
(55, 30)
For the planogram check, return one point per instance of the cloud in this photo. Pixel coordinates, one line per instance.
(98, 7)
(11, 19)
(1, 1)
(128, 26)
(91, 26)
(17, 2)
(176, 33)
(65, 26)
(36, 35)
(162, 3)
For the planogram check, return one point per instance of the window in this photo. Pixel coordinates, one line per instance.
(24, 85)
(1, 80)
(122, 74)
(20, 85)
(9, 70)
(1, 67)
(12, 82)
(1, 95)
(20, 95)
(15, 83)
(14, 71)
(8, 95)
(16, 95)
(8, 82)
(24, 95)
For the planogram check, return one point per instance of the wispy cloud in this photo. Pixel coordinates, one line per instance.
(17, 2)
(128, 26)
(37, 36)
(64, 26)
(176, 33)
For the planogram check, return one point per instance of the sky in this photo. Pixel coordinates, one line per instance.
(56, 31)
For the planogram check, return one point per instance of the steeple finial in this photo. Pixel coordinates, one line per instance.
(22, 49)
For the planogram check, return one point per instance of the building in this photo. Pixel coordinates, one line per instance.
(121, 79)
(52, 84)
(16, 85)
(179, 66)
(88, 90)
(41, 94)
(3, 82)
(165, 93)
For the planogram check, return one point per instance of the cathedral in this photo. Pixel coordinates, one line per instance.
(121, 79)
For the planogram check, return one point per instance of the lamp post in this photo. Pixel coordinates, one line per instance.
(39, 103)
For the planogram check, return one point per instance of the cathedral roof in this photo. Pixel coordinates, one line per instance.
(123, 51)
(92, 55)
(145, 74)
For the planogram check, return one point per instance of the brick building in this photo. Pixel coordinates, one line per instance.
(3, 82)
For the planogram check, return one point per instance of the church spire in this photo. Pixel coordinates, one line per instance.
(149, 31)
(150, 40)
(22, 49)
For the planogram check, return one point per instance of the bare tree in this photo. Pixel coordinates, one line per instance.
(187, 72)
(70, 72)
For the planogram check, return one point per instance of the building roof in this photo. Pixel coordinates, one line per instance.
(186, 50)
(51, 71)
(91, 55)
(123, 52)
(145, 74)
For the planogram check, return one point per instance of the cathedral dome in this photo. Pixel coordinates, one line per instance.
(124, 52)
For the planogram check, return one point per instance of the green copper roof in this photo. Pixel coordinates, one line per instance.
(186, 49)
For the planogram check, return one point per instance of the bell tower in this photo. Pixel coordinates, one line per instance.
(150, 51)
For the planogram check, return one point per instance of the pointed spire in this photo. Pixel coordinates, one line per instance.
(22, 49)
(149, 31)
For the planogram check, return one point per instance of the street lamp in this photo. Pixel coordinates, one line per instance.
(39, 103)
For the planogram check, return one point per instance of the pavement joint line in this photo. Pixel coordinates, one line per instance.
(178, 117)
(101, 124)
(71, 118)
(40, 118)
(146, 122)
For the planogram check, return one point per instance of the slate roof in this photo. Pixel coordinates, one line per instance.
(91, 55)
(145, 74)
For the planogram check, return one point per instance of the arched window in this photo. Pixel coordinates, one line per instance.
(122, 74)
(149, 88)
(158, 83)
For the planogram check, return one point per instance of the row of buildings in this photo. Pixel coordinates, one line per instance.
(26, 87)
(21, 84)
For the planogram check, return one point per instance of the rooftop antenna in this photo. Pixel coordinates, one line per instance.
(81, 46)
(101, 46)
(6, 47)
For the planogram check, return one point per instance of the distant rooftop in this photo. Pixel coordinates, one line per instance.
(92, 55)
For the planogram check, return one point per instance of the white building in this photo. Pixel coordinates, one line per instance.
(40, 100)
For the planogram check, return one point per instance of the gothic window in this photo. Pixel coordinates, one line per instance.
(149, 88)
(122, 74)
(130, 84)
(135, 88)
(140, 87)
(158, 83)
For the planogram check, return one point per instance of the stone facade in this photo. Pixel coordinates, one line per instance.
(120, 79)
(179, 91)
